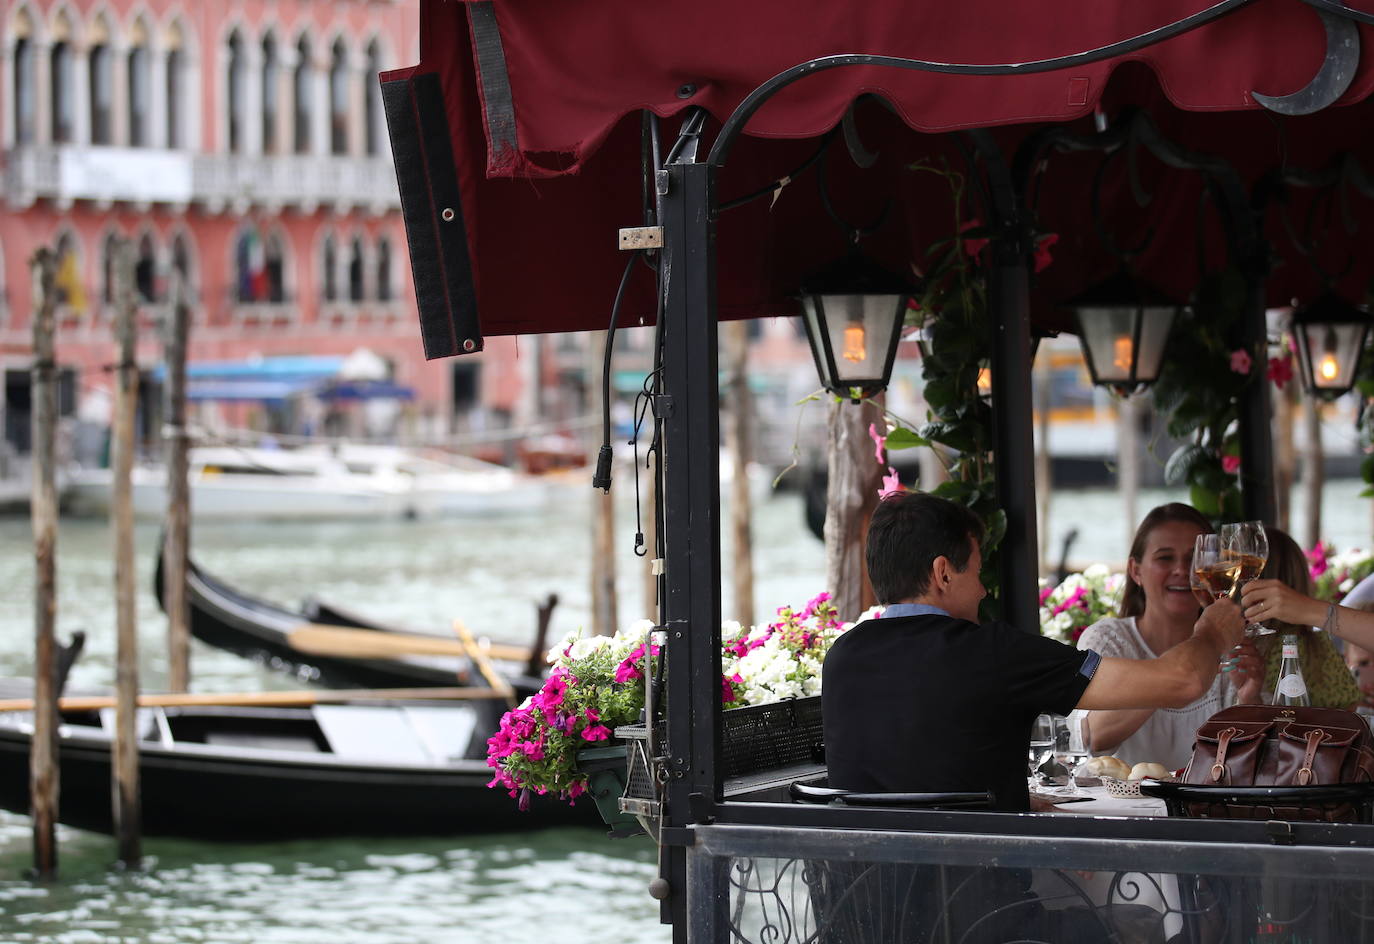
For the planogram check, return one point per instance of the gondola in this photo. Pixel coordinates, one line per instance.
(277, 773)
(226, 618)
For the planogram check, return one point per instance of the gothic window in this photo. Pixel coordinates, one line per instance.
(338, 100)
(237, 118)
(270, 70)
(250, 267)
(102, 94)
(355, 270)
(63, 93)
(274, 259)
(145, 271)
(384, 270)
(21, 81)
(140, 106)
(109, 278)
(175, 65)
(372, 92)
(301, 93)
(330, 265)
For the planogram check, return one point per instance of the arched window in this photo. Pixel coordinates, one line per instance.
(140, 105)
(21, 81)
(250, 266)
(301, 93)
(236, 104)
(372, 94)
(383, 270)
(145, 271)
(63, 93)
(100, 83)
(68, 284)
(331, 267)
(355, 270)
(338, 100)
(274, 260)
(176, 63)
(270, 69)
(109, 275)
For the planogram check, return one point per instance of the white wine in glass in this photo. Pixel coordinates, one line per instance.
(1246, 543)
(1213, 570)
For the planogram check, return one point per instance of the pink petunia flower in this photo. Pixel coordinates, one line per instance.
(879, 442)
(1042, 250)
(551, 695)
(1230, 464)
(1045, 594)
(596, 732)
(892, 484)
(1241, 361)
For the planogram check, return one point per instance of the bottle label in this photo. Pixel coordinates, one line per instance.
(1290, 650)
(1292, 686)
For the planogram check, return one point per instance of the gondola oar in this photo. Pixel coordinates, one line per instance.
(263, 699)
(475, 654)
(372, 644)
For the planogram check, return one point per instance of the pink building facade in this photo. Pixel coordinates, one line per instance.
(238, 145)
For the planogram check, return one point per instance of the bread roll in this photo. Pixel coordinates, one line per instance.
(1157, 771)
(1105, 767)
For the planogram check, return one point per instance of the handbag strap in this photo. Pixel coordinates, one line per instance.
(1314, 739)
(1223, 741)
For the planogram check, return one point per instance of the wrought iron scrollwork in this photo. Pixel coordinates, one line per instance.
(1337, 70)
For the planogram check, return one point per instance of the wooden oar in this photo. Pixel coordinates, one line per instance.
(262, 699)
(494, 678)
(323, 640)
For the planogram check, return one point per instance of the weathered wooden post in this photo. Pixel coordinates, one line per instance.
(177, 538)
(738, 433)
(1127, 464)
(851, 496)
(124, 770)
(1313, 474)
(43, 755)
(604, 615)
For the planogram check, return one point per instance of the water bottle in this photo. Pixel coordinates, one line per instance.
(1291, 688)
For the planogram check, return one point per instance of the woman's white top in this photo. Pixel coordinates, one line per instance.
(1167, 736)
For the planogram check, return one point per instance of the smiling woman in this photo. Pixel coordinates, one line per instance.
(1157, 612)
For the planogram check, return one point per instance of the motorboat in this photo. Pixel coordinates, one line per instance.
(340, 481)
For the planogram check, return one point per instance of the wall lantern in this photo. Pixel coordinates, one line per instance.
(853, 311)
(1331, 334)
(1123, 326)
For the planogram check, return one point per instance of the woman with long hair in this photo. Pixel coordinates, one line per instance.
(1158, 610)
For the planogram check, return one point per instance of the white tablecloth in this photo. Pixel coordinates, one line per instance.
(1104, 804)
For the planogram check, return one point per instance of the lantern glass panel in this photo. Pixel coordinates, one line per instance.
(1154, 335)
(860, 329)
(812, 318)
(1334, 352)
(1109, 334)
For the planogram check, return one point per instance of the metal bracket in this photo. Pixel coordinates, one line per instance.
(641, 237)
(663, 406)
(1280, 832)
(703, 809)
(677, 836)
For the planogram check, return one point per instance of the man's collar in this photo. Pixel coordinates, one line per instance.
(898, 610)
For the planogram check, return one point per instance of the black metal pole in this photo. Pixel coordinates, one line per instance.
(1013, 435)
(690, 410)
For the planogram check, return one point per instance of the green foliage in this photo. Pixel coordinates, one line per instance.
(1199, 390)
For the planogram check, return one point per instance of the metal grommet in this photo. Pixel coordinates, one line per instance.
(448, 214)
(686, 90)
(469, 344)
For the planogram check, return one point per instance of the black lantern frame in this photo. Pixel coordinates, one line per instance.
(1124, 326)
(872, 302)
(1340, 330)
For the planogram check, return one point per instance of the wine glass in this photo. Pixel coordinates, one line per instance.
(1246, 543)
(1214, 569)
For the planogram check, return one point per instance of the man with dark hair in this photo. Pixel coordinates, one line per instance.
(925, 699)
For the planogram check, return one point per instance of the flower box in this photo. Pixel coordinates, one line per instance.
(753, 739)
(606, 775)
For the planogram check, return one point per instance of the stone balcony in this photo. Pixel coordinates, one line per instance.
(216, 182)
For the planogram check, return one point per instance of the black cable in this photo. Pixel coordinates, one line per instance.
(772, 188)
(602, 477)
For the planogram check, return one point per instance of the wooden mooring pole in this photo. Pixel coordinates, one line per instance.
(177, 539)
(43, 757)
(124, 770)
(739, 434)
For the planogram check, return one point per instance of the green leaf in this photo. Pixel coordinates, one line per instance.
(1205, 501)
(903, 438)
(1181, 464)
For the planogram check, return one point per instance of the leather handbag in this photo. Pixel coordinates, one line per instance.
(1281, 746)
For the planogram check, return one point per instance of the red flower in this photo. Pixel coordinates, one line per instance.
(1240, 361)
(1042, 250)
(1280, 369)
(1229, 464)
(974, 245)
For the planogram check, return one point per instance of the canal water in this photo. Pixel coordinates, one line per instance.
(573, 886)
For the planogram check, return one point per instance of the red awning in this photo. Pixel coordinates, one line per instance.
(542, 101)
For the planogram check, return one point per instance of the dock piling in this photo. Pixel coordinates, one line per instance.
(177, 538)
(43, 756)
(124, 769)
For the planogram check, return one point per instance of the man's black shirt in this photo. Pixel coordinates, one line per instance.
(935, 703)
